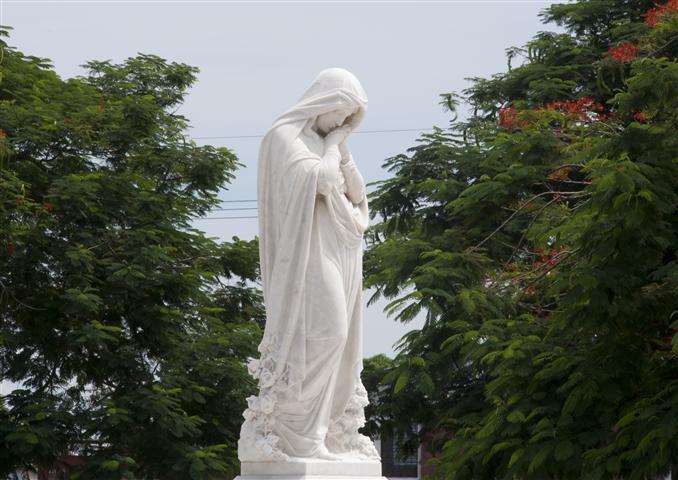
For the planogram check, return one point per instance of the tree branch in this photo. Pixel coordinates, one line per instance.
(496, 230)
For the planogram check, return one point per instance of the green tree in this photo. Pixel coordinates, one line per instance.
(539, 237)
(124, 329)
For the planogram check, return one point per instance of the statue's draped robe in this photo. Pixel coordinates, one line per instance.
(310, 235)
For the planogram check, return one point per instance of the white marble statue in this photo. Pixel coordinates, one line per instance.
(312, 215)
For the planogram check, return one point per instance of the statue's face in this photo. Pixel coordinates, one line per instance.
(331, 120)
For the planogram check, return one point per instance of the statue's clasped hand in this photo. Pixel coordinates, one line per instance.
(338, 135)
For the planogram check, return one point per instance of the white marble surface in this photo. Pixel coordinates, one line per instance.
(312, 467)
(312, 211)
(308, 477)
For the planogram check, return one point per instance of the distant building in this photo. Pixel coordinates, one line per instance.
(58, 471)
(395, 464)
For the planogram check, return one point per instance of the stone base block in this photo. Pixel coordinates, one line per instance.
(310, 470)
(308, 477)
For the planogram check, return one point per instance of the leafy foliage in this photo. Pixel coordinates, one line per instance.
(539, 238)
(123, 328)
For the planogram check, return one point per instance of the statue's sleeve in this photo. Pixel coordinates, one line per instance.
(328, 176)
(355, 185)
(329, 169)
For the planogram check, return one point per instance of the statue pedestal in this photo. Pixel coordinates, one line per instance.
(310, 470)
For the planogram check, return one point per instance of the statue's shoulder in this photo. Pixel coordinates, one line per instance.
(288, 139)
(282, 134)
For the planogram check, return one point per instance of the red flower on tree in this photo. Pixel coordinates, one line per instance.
(3, 134)
(583, 109)
(507, 117)
(654, 15)
(548, 259)
(640, 117)
(625, 52)
(576, 109)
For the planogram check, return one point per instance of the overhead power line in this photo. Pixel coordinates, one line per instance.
(360, 131)
(225, 209)
(261, 136)
(222, 218)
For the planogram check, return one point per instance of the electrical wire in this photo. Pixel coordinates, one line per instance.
(396, 130)
(226, 209)
(261, 136)
(223, 218)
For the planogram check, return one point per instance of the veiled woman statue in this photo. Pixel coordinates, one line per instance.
(312, 215)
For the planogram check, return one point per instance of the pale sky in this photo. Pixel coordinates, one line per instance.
(256, 59)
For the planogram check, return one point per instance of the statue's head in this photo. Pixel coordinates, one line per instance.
(334, 98)
(337, 98)
(327, 122)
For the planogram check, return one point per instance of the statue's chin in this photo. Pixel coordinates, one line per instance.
(320, 131)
